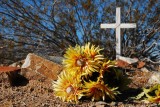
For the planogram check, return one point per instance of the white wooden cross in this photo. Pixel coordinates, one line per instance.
(117, 26)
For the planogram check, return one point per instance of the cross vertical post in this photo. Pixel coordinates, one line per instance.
(118, 33)
(118, 25)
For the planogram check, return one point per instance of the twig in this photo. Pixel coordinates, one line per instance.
(149, 48)
(149, 60)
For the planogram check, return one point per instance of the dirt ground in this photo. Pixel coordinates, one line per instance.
(37, 91)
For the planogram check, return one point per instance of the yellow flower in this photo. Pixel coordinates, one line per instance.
(106, 65)
(78, 79)
(151, 94)
(83, 60)
(71, 57)
(92, 52)
(67, 87)
(98, 91)
(156, 97)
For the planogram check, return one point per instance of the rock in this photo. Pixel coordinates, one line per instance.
(140, 64)
(56, 59)
(17, 64)
(42, 66)
(9, 69)
(154, 79)
(144, 69)
(14, 77)
(128, 60)
(122, 64)
(100, 104)
(113, 104)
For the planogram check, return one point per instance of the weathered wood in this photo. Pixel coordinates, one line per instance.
(118, 25)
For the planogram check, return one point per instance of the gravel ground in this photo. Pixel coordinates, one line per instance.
(38, 92)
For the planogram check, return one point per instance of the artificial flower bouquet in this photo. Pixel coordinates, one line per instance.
(88, 74)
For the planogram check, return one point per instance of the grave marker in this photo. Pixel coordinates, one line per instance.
(117, 26)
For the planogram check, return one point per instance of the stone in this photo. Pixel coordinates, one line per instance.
(140, 64)
(144, 69)
(128, 60)
(42, 66)
(100, 104)
(53, 58)
(113, 103)
(17, 64)
(9, 69)
(15, 79)
(154, 79)
(122, 64)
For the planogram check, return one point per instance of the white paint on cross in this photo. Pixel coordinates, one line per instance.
(117, 26)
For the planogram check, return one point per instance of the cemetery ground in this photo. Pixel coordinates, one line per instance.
(36, 90)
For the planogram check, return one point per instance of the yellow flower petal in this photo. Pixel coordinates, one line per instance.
(85, 59)
(98, 91)
(67, 87)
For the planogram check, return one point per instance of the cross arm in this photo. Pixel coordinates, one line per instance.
(108, 26)
(128, 25)
(122, 25)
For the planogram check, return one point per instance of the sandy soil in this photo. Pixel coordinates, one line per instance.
(37, 91)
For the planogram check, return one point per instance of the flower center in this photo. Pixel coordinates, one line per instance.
(69, 89)
(80, 62)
